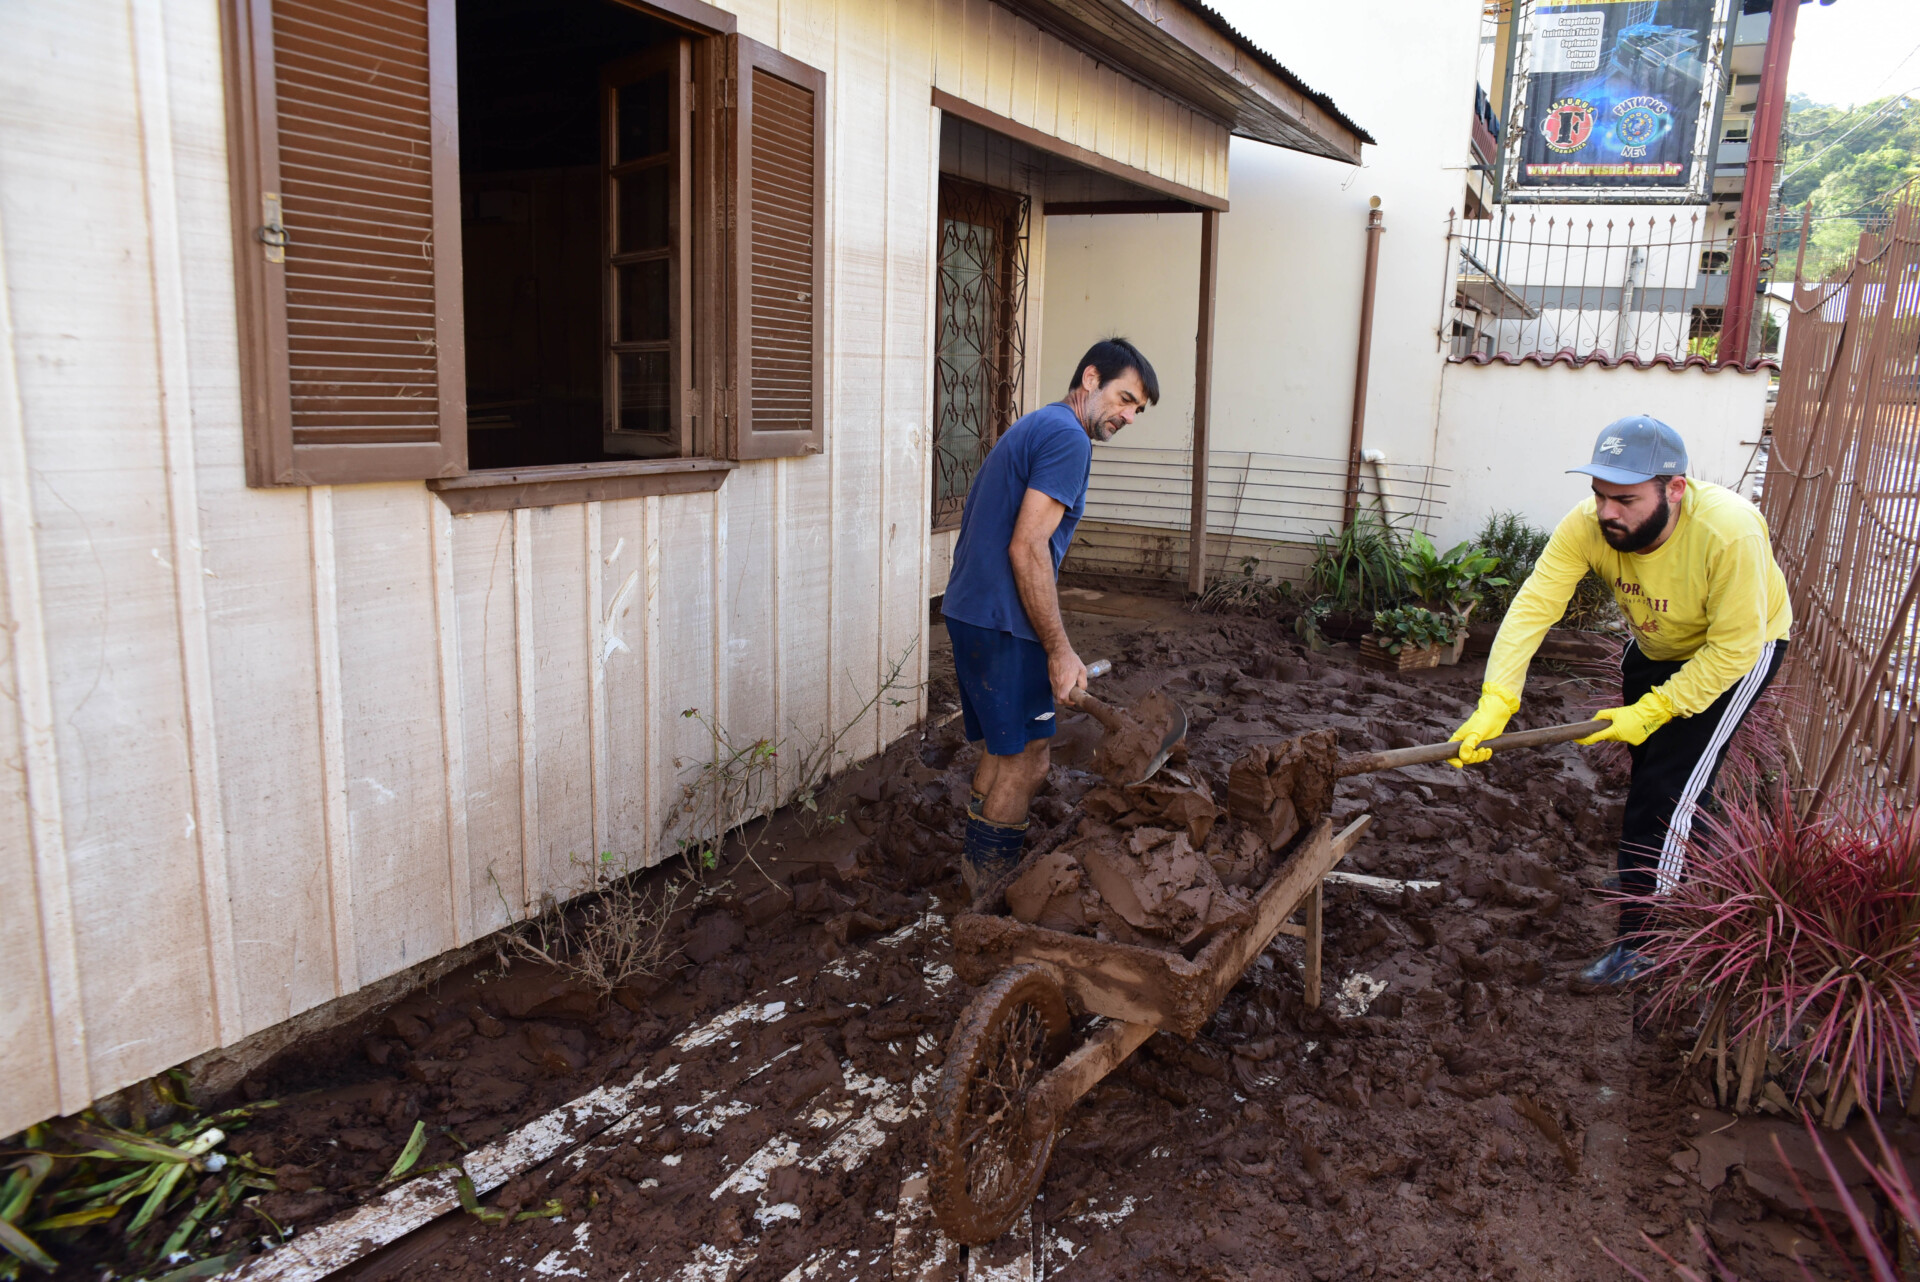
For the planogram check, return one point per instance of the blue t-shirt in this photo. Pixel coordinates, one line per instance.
(1049, 451)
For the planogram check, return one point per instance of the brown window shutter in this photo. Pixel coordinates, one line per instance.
(347, 235)
(779, 182)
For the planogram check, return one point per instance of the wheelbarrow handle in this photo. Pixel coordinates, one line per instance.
(1427, 754)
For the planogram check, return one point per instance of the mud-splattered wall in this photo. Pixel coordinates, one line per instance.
(266, 747)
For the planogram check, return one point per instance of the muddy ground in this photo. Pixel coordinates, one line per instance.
(1452, 1111)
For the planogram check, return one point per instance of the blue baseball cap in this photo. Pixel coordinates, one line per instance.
(1635, 449)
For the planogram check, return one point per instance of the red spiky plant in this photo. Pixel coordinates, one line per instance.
(1883, 1263)
(1803, 935)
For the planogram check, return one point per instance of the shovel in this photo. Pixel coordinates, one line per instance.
(1427, 754)
(1136, 746)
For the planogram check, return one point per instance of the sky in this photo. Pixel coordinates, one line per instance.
(1856, 51)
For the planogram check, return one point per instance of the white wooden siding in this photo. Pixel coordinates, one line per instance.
(264, 747)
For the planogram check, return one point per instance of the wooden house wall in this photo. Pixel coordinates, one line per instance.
(265, 747)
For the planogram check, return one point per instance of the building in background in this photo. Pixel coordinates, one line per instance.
(1453, 427)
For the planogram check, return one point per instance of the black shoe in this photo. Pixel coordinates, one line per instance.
(1615, 968)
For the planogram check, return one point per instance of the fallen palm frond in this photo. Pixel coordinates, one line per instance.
(86, 1175)
(1802, 938)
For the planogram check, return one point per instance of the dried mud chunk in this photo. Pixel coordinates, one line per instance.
(1247, 863)
(713, 935)
(1277, 789)
(1124, 754)
(1048, 894)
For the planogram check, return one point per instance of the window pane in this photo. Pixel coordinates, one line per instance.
(643, 211)
(646, 392)
(643, 118)
(643, 302)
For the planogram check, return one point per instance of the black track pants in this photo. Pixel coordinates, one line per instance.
(1673, 774)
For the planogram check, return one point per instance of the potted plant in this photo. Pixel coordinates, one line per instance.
(1410, 637)
(1451, 583)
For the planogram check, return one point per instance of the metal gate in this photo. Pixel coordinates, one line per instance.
(1842, 494)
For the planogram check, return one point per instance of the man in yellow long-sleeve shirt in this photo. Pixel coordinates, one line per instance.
(1692, 569)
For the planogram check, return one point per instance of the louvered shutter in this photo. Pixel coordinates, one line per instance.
(348, 240)
(779, 197)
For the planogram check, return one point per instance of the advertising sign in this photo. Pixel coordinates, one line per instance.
(1613, 100)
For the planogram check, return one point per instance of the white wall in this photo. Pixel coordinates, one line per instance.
(1510, 432)
(262, 748)
(1293, 246)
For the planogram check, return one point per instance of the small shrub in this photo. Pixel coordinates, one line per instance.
(1516, 546)
(1248, 592)
(1358, 568)
(1414, 626)
(616, 938)
(1801, 936)
(1455, 580)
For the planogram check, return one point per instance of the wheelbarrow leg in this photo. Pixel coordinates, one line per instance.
(1083, 1068)
(1311, 980)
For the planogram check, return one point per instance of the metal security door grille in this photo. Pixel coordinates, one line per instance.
(980, 342)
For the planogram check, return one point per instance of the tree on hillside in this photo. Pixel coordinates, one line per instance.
(1847, 162)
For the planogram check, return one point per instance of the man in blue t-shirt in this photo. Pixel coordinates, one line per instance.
(1002, 607)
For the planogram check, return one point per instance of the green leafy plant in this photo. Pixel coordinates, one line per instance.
(1453, 580)
(1415, 627)
(88, 1175)
(1517, 545)
(1358, 568)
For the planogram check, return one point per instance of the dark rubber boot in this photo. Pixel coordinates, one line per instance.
(990, 853)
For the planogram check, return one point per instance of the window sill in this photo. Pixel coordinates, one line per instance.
(506, 488)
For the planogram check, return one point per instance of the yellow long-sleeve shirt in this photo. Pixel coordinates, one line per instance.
(1709, 597)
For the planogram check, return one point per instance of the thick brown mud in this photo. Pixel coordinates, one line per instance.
(1451, 1111)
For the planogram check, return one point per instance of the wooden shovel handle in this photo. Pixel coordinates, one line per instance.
(1098, 709)
(1427, 754)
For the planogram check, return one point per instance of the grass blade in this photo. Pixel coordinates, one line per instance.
(24, 1247)
(76, 1219)
(157, 1200)
(20, 1185)
(463, 1185)
(416, 1144)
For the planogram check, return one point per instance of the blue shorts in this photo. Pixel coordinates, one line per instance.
(1006, 696)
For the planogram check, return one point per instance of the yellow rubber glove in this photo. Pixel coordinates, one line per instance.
(1633, 723)
(1487, 721)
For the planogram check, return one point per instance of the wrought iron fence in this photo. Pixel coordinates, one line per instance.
(1588, 283)
(1255, 502)
(1842, 496)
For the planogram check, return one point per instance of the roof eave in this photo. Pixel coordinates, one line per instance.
(1185, 49)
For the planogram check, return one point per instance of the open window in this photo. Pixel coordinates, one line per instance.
(535, 254)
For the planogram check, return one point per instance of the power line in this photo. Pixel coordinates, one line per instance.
(1897, 100)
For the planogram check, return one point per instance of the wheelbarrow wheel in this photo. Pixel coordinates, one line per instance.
(989, 1150)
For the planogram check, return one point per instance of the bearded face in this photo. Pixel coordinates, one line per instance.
(1623, 536)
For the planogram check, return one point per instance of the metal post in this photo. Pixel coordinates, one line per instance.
(1361, 362)
(1763, 154)
(1202, 399)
